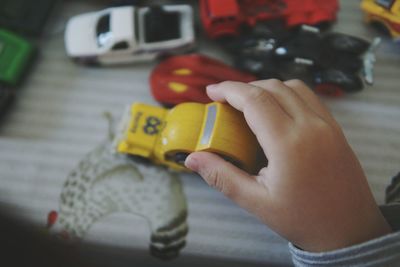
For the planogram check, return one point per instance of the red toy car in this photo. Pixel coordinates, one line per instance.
(184, 78)
(226, 17)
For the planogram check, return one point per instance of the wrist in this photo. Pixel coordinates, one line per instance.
(353, 231)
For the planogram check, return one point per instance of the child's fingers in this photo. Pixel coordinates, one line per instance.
(241, 95)
(311, 99)
(263, 114)
(286, 97)
(230, 180)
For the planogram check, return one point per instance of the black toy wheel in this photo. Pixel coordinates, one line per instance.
(329, 89)
(88, 61)
(337, 82)
(380, 27)
(346, 43)
(177, 157)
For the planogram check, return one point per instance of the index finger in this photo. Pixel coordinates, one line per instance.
(263, 113)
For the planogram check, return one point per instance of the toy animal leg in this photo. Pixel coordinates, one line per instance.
(166, 242)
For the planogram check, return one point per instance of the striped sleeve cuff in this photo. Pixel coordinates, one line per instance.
(382, 251)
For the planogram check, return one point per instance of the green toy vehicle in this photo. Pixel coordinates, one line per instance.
(15, 55)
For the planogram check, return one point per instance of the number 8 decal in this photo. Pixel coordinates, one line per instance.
(151, 126)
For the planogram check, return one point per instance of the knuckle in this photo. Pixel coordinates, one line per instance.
(216, 179)
(321, 126)
(317, 128)
(296, 83)
(213, 178)
(274, 82)
(258, 96)
(228, 189)
(270, 84)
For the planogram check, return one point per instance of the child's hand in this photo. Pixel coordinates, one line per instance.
(313, 191)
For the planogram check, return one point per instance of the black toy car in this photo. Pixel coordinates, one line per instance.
(331, 63)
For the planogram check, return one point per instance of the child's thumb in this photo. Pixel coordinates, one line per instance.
(236, 184)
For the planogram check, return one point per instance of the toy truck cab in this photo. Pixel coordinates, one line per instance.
(220, 18)
(385, 13)
(168, 136)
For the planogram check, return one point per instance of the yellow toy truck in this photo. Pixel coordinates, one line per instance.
(385, 13)
(167, 137)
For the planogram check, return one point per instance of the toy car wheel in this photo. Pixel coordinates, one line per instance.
(380, 27)
(329, 89)
(178, 157)
(337, 82)
(88, 61)
(346, 43)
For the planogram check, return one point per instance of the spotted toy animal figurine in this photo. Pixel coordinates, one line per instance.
(106, 182)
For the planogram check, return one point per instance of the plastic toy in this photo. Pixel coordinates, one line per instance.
(184, 78)
(15, 55)
(25, 16)
(127, 34)
(222, 18)
(385, 13)
(331, 62)
(106, 183)
(167, 137)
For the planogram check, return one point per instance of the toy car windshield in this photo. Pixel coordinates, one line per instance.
(385, 3)
(103, 31)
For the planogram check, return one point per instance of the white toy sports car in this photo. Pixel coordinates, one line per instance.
(129, 33)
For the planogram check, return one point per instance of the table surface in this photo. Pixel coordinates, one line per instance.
(58, 118)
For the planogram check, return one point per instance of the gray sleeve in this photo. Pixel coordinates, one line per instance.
(382, 251)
